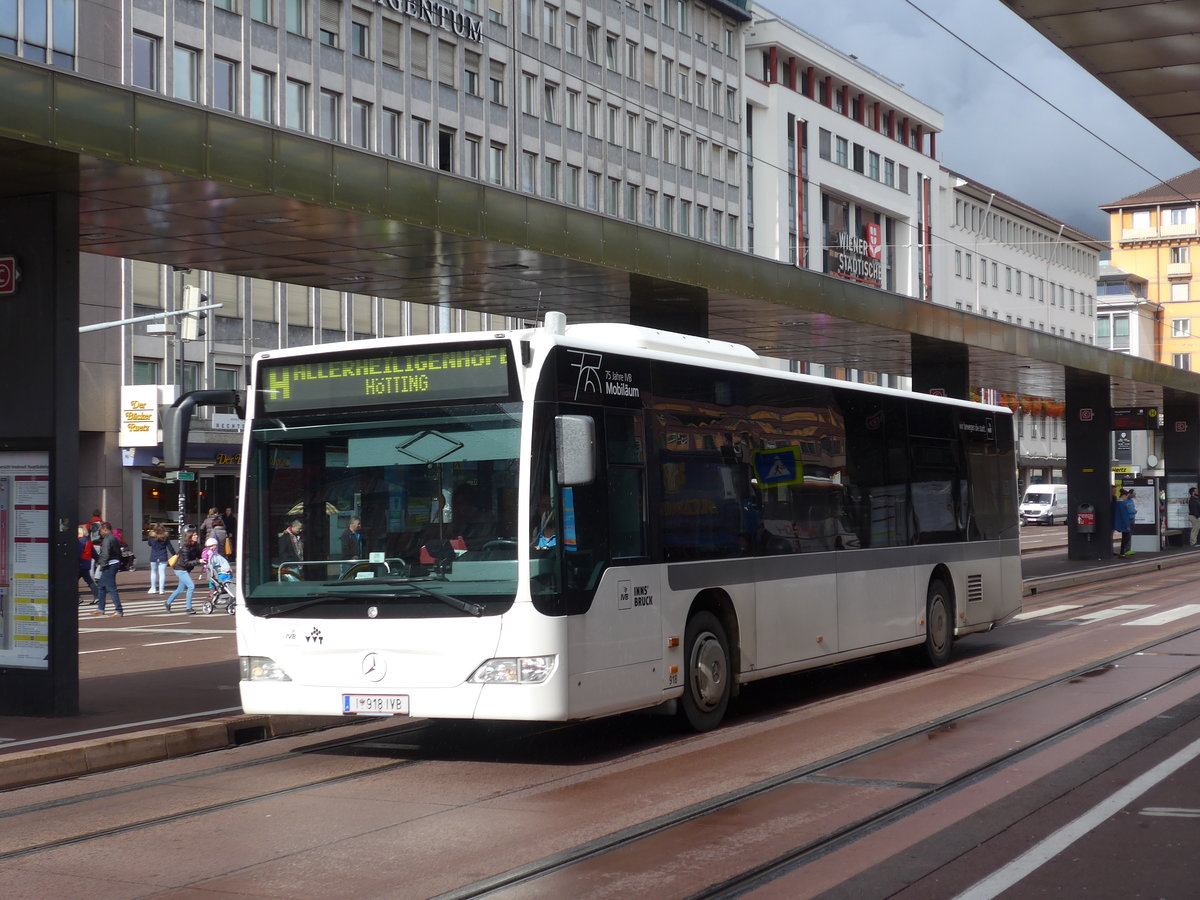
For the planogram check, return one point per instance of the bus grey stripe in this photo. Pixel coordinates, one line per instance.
(747, 570)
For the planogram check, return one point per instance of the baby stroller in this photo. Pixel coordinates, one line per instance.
(221, 595)
(128, 559)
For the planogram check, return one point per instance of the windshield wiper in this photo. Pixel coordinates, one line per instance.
(474, 609)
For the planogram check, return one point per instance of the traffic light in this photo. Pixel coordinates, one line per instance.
(189, 326)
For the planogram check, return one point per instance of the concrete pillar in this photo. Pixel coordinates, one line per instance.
(1181, 434)
(1089, 462)
(667, 305)
(39, 429)
(941, 367)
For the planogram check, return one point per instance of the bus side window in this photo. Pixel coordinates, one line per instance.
(626, 468)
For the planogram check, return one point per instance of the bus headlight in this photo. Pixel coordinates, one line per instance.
(519, 670)
(261, 668)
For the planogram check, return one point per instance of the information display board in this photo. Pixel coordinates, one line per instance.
(448, 374)
(24, 559)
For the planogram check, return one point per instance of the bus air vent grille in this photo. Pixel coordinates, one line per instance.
(974, 588)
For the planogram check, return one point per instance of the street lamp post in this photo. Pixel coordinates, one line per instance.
(183, 272)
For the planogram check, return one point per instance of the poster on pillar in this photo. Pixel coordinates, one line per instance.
(24, 559)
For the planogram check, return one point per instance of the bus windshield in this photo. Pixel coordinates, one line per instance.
(411, 511)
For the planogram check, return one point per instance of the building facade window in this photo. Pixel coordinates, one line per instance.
(295, 15)
(262, 95)
(496, 164)
(295, 105)
(496, 83)
(471, 61)
(144, 72)
(360, 33)
(224, 84)
(390, 133)
(329, 116)
(186, 72)
(331, 23)
(360, 124)
(418, 148)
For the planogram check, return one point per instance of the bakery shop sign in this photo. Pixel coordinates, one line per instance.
(858, 258)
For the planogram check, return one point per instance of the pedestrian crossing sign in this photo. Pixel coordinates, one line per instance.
(779, 466)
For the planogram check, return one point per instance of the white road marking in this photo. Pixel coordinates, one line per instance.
(184, 641)
(1170, 615)
(1101, 615)
(1048, 611)
(105, 650)
(1173, 811)
(1033, 859)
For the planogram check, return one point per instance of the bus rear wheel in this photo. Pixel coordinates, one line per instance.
(939, 624)
(706, 690)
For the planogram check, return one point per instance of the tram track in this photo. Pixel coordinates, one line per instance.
(528, 875)
(185, 778)
(359, 747)
(425, 743)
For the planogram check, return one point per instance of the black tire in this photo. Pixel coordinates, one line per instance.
(208, 607)
(939, 624)
(707, 673)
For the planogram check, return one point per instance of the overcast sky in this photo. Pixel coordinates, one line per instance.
(996, 131)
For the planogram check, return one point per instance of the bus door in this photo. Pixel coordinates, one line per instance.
(607, 521)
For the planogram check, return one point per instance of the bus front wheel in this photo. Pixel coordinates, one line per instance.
(706, 691)
(939, 624)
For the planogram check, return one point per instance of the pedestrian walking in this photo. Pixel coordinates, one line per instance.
(161, 549)
(87, 555)
(230, 530)
(1123, 513)
(93, 527)
(213, 526)
(109, 561)
(186, 560)
(1194, 514)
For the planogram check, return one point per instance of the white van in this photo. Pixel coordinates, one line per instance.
(1044, 504)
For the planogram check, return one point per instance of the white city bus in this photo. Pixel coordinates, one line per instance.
(568, 522)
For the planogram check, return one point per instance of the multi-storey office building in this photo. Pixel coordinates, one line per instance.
(625, 109)
(841, 169)
(1155, 235)
(1002, 258)
(1009, 261)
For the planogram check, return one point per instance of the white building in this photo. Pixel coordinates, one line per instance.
(840, 161)
(1126, 321)
(1001, 258)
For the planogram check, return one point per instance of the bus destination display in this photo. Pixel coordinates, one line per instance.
(445, 375)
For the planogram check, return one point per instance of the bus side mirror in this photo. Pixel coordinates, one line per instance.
(177, 421)
(575, 440)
